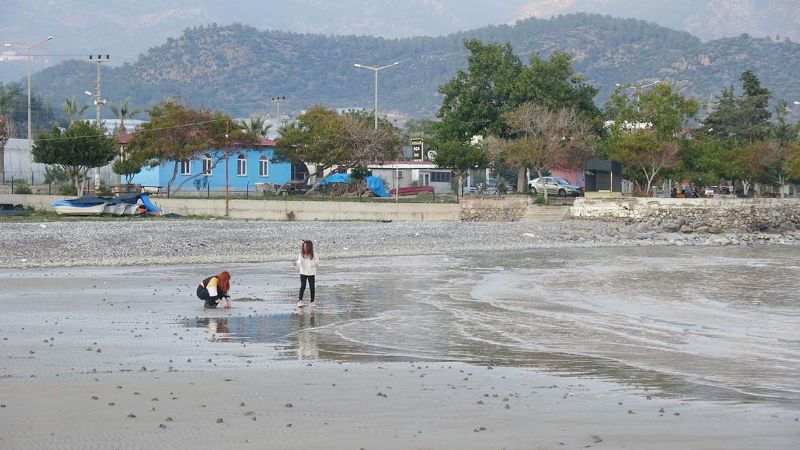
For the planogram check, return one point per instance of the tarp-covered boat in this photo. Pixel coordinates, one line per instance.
(88, 205)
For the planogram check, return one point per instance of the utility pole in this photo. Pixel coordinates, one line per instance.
(98, 101)
(278, 101)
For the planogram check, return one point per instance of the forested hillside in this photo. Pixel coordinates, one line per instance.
(239, 69)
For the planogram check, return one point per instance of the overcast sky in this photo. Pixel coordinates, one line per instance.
(126, 28)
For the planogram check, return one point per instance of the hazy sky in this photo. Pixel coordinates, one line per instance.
(126, 28)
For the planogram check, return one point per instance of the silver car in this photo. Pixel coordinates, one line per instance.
(555, 186)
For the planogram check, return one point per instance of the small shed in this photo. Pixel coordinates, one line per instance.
(603, 175)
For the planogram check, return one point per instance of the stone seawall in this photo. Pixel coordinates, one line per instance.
(714, 215)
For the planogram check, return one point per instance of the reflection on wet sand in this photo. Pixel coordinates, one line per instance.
(710, 323)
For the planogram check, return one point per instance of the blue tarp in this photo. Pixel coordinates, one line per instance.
(148, 205)
(335, 178)
(374, 184)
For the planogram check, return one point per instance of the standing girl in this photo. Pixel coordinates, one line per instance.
(307, 263)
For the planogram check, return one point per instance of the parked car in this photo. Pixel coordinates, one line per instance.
(555, 186)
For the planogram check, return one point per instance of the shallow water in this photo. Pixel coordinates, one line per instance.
(710, 323)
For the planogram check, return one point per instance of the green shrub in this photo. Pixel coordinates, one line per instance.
(21, 187)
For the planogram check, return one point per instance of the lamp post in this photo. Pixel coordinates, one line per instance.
(376, 70)
(638, 88)
(375, 111)
(30, 144)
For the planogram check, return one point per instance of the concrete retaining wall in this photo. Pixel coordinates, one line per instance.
(713, 215)
(494, 209)
(281, 209)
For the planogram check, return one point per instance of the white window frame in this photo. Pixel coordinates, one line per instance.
(207, 162)
(186, 167)
(263, 167)
(241, 165)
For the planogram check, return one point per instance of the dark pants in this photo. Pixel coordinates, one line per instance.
(202, 294)
(310, 279)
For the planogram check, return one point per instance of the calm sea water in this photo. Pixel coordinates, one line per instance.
(709, 323)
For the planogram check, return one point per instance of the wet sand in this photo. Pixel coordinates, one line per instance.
(125, 357)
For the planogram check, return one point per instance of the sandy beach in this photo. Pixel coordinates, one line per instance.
(576, 341)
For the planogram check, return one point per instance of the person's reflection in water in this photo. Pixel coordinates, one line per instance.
(303, 324)
(218, 326)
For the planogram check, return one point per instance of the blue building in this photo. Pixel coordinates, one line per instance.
(248, 170)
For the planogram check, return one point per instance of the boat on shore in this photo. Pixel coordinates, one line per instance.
(88, 205)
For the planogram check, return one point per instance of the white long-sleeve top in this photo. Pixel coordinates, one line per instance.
(307, 266)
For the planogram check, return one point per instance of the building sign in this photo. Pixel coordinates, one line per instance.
(417, 149)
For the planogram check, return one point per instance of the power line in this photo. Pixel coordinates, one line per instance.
(65, 138)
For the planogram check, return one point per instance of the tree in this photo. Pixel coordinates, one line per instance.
(791, 163)
(72, 110)
(365, 144)
(257, 126)
(661, 109)
(128, 164)
(315, 137)
(176, 132)
(81, 147)
(13, 106)
(496, 82)
(752, 162)
(3, 140)
(474, 100)
(646, 150)
(123, 111)
(324, 138)
(741, 118)
(546, 138)
(460, 157)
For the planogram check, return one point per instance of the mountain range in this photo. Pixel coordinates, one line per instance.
(239, 68)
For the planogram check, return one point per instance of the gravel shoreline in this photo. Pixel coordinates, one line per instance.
(117, 243)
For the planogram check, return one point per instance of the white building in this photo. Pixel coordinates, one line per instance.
(17, 161)
(413, 173)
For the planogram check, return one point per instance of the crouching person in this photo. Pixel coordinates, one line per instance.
(214, 288)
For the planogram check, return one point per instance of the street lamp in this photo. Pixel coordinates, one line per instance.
(638, 88)
(376, 70)
(30, 145)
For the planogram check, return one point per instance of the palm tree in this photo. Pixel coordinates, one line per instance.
(257, 125)
(123, 111)
(72, 110)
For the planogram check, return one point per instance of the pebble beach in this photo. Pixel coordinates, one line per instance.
(130, 242)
